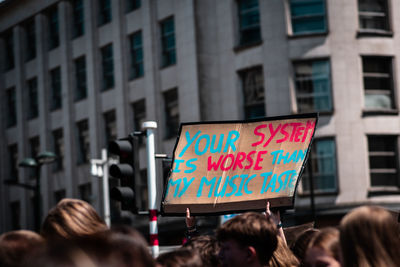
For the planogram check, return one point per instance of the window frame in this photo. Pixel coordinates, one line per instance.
(55, 89)
(290, 23)
(80, 79)
(78, 18)
(11, 107)
(240, 15)
(136, 68)
(30, 39)
(375, 32)
(311, 156)
(33, 98)
(330, 93)
(109, 117)
(83, 149)
(168, 54)
(104, 12)
(9, 57)
(53, 27)
(384, 189)
(59, 149)
(391, 90)
(107, 67)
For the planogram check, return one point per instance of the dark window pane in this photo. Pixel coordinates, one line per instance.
(53, 28)
(83, 142)
(249, 21)
(308, 16)
(136, 55)
(30, 40)
(85, 192)
(58, 148)
(108, 67)
(253, 92)
(13, 162)
(132, 5)
(59, 195)
(80, 79)
(104, 7)
(33, 109)
(11, 107)
(15, 209)
(8, 39)
(55, 89)
(78, 28)
(168, 42)
(171, 113)
(110, 127)
(373, 15)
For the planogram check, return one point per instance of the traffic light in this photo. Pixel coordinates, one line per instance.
(126, 171)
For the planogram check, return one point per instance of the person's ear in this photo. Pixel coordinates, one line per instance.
(251, 254)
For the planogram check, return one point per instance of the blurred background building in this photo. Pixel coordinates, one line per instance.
(78, 73)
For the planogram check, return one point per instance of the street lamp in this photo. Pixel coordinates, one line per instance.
(35, 163)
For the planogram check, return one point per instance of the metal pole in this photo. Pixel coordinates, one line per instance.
(106, 195)
(37, 199)
(149, 126)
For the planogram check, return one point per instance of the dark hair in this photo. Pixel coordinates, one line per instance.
(251, 229)
(180, 258)
(72, 218)
(17, 246)
(328, 240)
(207, 247)
(299, 247)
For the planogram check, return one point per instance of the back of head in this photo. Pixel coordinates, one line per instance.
(207, 247)
(251, 229)
(299, 247)
(369, 236)
(283, 256)
(328, 240)
(180, 258)
(16, 246)
(72, 218)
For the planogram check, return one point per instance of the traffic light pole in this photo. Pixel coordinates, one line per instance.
(149, 127)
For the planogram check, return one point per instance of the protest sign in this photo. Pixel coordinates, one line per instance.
(233, 166)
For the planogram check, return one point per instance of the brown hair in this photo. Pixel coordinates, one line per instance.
(283, 256)
(180, 258)
(72, 218)
(251, 229)
(16, 246)
(328, 240)
(207, 247)
(299, 247)
(369, 237)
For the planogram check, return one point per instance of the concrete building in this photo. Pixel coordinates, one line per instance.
(76, 73)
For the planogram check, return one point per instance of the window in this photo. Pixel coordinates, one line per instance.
(53, 28)
(139, 116)
(253, 92)
(59, 195)
(78, 26)
(83, 142)
(80, 79)
(308, 16)
(55, 89)
(11, 107)
(15, 208)
(85, 192)
(8, 39)
(313, 86)
(110, 126)
(104, 11)
(323, 163)
(171, 113)
(249, 22)
(13, 162)
(136, 55)
(378, 83)
(30, 40)
(34, 147)
(373, 16)
(132, 5)
(33, 109)
(58, 148)
(383, 160)
(108, 67)
(168, 42)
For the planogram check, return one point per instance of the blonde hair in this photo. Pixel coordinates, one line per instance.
(283, 256)
(72, 218)
(369, 236)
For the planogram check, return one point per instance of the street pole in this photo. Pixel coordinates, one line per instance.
(149, 127)
(37, 199)
(106, 195)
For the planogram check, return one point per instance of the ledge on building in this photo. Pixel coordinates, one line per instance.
(241, 47)
(373, 33)
(383, 191)
(307, 35)
(385, 112)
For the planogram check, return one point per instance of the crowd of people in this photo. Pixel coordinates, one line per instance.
(74, 235)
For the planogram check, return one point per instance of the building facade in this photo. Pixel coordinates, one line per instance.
(76, 74)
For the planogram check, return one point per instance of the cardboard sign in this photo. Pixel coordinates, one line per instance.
(225, 167)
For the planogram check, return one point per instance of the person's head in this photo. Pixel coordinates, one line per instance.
(71, 218)
(300, 245)
(283, 256)
(17, 246)
(324, 249)
(248, 240)
(369, 236)
(207, 247)
(180, 258)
